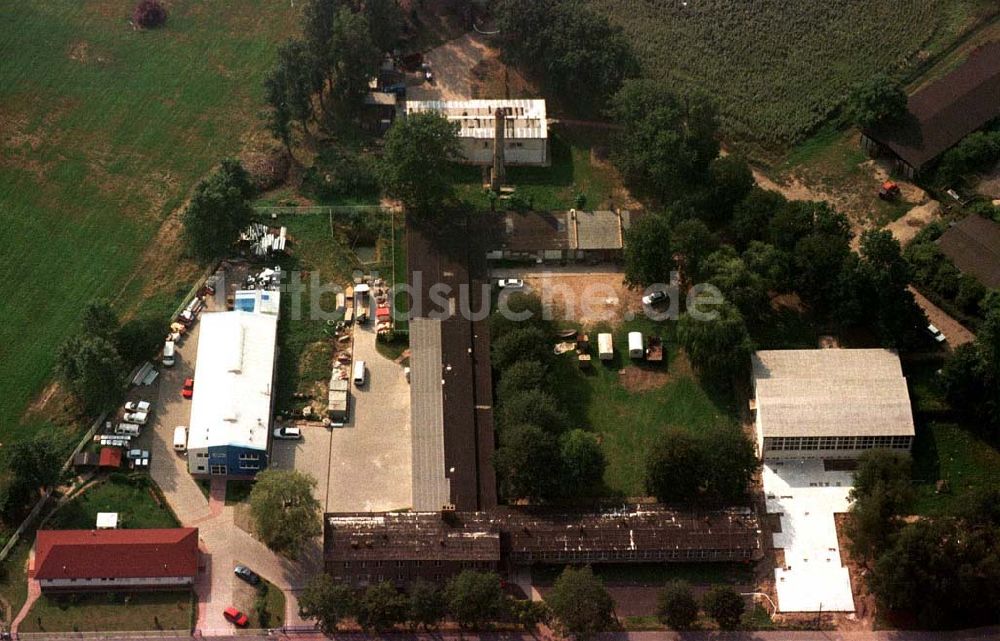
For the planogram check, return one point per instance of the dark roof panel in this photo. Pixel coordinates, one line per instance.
(943, 113)
(974, 246)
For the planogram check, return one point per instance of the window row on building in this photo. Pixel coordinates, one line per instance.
(795, 443)
(600, 556)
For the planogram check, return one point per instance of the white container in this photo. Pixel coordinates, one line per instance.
(636, 348)
(605, 347)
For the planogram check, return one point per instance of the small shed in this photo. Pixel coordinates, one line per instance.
(110, 458)
(85, 460)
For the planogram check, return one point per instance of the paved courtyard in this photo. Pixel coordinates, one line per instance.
(370, 457)
(807, 497)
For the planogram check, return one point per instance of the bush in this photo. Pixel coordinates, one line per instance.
(723, 604)
(676, 606)
(149, 14)
(340, 174)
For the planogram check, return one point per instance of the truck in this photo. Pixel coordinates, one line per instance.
(636, 346)
(605, 347)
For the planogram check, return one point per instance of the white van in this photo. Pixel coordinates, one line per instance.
(168, 354)
(605, 347)
(180, 438)
(127, 429)
(359, 373)
(636, 348)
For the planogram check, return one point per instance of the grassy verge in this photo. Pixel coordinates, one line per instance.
(111, 611)
(106, 130)
(14, 575)
(950, 452)
(628, 420)
(264, 605)
(137, 506)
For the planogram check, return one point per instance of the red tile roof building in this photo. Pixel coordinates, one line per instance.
(149, 559)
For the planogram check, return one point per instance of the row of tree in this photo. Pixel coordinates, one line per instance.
(539, 456)
(326, 72)
(709, 468)
(578, 602)
(678, 608)
(942, 572)
(971, 376)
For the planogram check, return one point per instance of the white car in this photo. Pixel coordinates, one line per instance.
(510, 283)
(290, 433)
(138, 406)
(653, 298)
(138, 418)
(936, 334)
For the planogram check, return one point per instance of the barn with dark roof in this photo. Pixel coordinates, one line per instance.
(941, 114)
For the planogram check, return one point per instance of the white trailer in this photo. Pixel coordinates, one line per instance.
(605, 347)
(636, 348)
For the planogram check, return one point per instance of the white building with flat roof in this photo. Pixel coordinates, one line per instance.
(525, 128)
(830, 403)
(233, 400)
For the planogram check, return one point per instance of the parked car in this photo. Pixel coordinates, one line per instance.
(235, 617)
(138, 406)
(290, 433)
(510, 283)
(139, 418)
(653, 298)
(188, 390)
(246, 574)
(936, 334)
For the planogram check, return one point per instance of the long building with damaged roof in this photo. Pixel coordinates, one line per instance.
(361, 549)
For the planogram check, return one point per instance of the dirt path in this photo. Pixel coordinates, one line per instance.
(452, 65)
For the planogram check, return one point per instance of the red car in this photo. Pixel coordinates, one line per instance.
(188, 390)
(235, 617)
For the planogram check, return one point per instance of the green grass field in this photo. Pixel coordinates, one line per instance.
(106, 130)
(136, 507)
(111, 611)
(779, 68)
(630, 420)
(952, 453)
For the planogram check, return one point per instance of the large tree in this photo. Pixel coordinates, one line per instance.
(327, 602)
(725, 605)
(649, 259)
(519, 377)
(426, 604)
(93, 369)
(583, 462)
(285, 512)
(881, 493)
(528, 463)
(667, 142)
(475, 598)
(219, 210)
(876, 100)
(719, 348)
(536, 407)
(417, 163)
(381, 607)
(563, 42)
(676, 606)
(352, 59)
(527, 343)
(675, 467)
(580, 603)
(35, 463)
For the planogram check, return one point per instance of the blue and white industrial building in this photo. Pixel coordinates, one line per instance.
(233, 399)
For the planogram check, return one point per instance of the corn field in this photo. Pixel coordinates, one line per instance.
(779, 68)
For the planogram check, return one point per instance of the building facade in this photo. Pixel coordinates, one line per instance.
(830, 403)
(107, 560)
(526, 141)
(233, 401)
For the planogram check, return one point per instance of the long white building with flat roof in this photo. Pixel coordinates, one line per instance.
(233, 400)
(830, 403)
(526, 136)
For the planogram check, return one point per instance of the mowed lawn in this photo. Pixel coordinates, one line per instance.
(137, 507)
(138, 611)
(630, 404)
(105, 131)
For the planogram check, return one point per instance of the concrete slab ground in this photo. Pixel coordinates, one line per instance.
(806, 497)
(370, 457)
(310, 455)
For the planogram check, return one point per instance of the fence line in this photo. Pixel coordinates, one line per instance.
(97, 635)
(311, 210)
